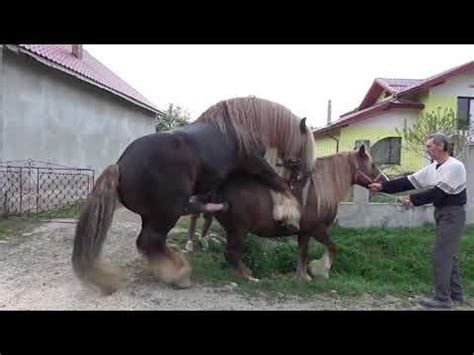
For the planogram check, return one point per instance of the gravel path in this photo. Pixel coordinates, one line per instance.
(36, 275)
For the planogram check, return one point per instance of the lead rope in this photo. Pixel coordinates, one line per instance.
(399, 204)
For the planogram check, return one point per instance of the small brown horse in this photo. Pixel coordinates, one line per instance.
(250, 209)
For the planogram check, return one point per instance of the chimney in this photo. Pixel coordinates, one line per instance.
(329, 112)
(77, 50)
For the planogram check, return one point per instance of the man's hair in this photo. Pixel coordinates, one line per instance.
(440, 139)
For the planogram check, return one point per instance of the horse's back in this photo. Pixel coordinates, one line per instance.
(153, 168)
(168, 167)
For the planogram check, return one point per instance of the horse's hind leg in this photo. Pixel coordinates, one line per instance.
(302, 266)
(167, 263)
(234, 255)
(205, 228)
(321, 267)
(191, 231)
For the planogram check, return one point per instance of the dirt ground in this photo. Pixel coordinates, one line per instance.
(36, 274)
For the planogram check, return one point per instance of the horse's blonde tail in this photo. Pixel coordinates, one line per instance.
(91, 231)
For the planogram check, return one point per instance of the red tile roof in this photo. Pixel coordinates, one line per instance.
(396, 85)
(438, 78)
(87, 68)
(393, 86)
(398, 88)
(369, 112)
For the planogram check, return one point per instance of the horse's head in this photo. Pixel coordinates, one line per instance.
(365, 171)
(296, 173)
(299, 167)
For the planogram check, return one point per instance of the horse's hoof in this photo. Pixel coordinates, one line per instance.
(189, 247)
(253, 279)
(181, 285)
(318, 270)
(107, 291)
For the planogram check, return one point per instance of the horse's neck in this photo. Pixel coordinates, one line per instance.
(332, 179)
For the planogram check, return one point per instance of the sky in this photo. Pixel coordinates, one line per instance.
(301, 77)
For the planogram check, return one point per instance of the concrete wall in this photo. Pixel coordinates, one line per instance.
(355, 215)
(362, 214)
(51, 116)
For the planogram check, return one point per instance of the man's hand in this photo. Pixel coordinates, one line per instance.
(375, 187)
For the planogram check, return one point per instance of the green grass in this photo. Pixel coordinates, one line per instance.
(377, 261)
(19, 224)
(70, 211)
(14, 225)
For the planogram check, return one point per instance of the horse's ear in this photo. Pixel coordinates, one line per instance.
(362, 151)
(303, 125)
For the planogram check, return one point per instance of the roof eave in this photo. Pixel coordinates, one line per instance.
(378, 87)
(364, 115)
(86, 79)
(437, 80)
(370, 94)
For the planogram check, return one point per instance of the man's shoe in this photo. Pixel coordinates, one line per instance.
(436, 303)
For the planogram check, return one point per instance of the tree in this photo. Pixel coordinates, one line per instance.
(436, 121)
(174, 117)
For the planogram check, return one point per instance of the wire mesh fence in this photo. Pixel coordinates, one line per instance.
(42, 190)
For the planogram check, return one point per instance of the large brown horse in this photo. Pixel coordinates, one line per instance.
(157, 174)
(250, 209)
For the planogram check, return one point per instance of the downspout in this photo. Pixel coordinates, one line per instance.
(337, 143)
(329, 123)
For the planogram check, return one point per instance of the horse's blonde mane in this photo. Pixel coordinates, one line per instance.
(258, 122)
(331, 178)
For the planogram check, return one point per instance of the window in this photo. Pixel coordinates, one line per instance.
(387, 151)
(466, 112)
(359, 142)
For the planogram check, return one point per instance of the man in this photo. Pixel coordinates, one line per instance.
(445, 180)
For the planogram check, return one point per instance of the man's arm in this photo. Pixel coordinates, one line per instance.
(397, 185)
(429, 196)
(410, 182)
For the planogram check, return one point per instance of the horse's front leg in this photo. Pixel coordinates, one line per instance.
(302, 266)
(259, 167)
(321, 267)
(234, 254)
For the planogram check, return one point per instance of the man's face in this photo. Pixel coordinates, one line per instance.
(433, 150)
